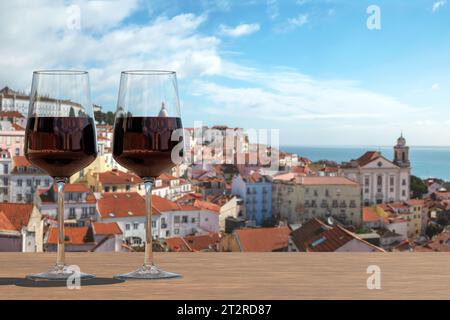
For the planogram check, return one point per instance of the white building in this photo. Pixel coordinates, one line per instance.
(79, 203)
(381, 180)
(170, 187)
(25, 179)
(11, 100)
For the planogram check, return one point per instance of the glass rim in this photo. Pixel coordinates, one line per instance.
(148, 72)
(60, 72)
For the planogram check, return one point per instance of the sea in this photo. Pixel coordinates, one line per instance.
(426, 162)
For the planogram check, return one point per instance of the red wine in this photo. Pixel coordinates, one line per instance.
(61, 146)
(144, 145)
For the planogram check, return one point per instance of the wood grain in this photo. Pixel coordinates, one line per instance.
(238, 276)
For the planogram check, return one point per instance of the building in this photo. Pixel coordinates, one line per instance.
(127, 209)
(25, 179)
(79, 203)
(15, 101)
(96, 237)
(297, 199)
(114, 181)
(169, 219)
(12, 137)
(21, 228)
(5, 171)
(381, 180)
(411, 212)
(256, 240)
(170, 187)
(256, 192)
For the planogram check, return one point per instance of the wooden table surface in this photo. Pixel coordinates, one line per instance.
(237, 276)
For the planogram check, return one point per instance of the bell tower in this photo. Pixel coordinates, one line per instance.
(401, 153)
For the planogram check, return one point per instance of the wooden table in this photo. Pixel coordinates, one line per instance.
(237, 276)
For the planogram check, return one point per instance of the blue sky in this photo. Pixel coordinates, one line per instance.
(310, 68)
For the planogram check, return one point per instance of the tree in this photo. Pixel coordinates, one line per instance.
(433, 229)
(71, 112)
(418, 187)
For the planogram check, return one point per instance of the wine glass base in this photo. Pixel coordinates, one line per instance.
(58, 273)
(147, 273)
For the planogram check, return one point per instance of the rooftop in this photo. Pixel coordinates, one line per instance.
(262, 239)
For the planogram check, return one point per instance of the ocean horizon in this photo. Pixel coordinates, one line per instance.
(426, 161)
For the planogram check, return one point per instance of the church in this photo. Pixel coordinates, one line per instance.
(381, 180)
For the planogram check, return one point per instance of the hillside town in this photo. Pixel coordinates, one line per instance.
(368, 204)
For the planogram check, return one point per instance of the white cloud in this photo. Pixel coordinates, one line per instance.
(437, 5)
(298, 21)
(436, 87)
(240, 30)
(273, 10)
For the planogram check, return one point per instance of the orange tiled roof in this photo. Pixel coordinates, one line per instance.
(207, 205)
(5, 224)
(263, 239)
(72, 235)
(367, 157)
(177, 244)
(117, 177)
(202, 242)
(369, 214)
(18, 214)
(106, 228)
(21, 161)
(11, 114)
(17, 127)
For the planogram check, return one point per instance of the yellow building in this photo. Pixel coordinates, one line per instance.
(102, 163)
(297, 199)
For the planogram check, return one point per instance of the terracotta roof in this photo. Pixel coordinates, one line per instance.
(18, 214)
(367, 157)
(439, 243)
(74, 187)
(262, 239)
(11, 114)
(202, 242)
(308, 230)
(167, 177)
(207, 205)
(415, 202)
(21, 161)
(326, 181)
(121, 204)
(177, 244)
(5, 224)
(106, 228)
(72, 235)
(117, 177)
(190, 197)
(333, 239)
(373, 213)
(17, 127)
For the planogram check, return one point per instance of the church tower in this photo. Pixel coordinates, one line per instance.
(401, 153)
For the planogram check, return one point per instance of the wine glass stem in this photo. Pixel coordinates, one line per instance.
(148, 258)
(61, 258)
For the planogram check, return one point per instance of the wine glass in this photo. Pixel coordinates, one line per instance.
(148, 113)
(60, 139)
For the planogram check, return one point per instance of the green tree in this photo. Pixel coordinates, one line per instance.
(71, 112)
(418, 187)
(433, 229)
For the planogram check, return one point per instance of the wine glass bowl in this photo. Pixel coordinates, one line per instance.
(147, 116)
(60, 138)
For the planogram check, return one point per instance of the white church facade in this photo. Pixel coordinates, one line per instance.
(381, 180)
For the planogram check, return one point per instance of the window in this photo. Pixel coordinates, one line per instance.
(379, 180)
(192, 220)
(38, 182)
(127, 187)
(316, 193)
(19, 182)
(29, 182)
(5, 168)
(153, 224)
(71, 213)
(176, 219)
(206, 219)
(403, 193)
(403, 182)
(92, 211)
(127, 226)
(366, 181)
(391, 181)
(327, 193)
(5, 181)
(106, 189)
(366, 190)
(184, 219)
(176, 231)
(135, 226)
(17, 151)
(47, 182)
(114, 188)
(19, 197)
